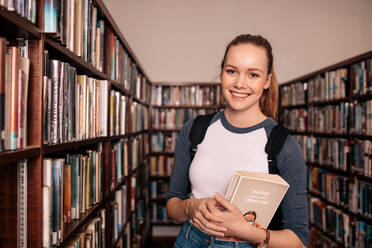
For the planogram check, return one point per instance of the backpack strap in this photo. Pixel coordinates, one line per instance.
(198, 130)
(274, 145)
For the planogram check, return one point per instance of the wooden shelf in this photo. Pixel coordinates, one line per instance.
(329, 168)
(120, 234)
(72, 228)
(9, 157)
(326, 235)
(185, 106)
(361, 98)
(56, 50)
(110, 21)
(329, 135)
(159, 177)
(159, 223)
(162, 153)
(15, 26)
(295, 106)
(165, 130)
(141, 102)
(115, 85)
(329, 102)
(341, 64)
(161, 199)
(74, 145)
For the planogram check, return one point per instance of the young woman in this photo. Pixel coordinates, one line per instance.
(235, 140)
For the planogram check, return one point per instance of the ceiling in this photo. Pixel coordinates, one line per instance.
(184, 41)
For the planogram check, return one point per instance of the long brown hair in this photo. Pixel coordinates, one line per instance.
(269, 98)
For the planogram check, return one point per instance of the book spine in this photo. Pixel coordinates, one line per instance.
(2, 91)
(22, 204)
(14, 99)
(55, 67)
(47, 194)
(50, 16)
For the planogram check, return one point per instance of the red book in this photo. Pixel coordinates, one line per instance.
(13, 97)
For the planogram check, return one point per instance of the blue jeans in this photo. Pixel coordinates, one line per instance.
(191, 237)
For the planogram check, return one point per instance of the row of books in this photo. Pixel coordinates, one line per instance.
(332, 187)
(330, 118)
(75, 105)
(159, 213)
(294, 119)
(71, 186)
(163, 141)
(293, 94)
(361, 198)
(92, 235)
(332, 152)
(317, 239)
(340, 226)
(161, 165)
(123, 69)
(14, 81)
(124, 240)
(174, 118)
(76, 24)
(140, 117)
(361, 118)
(159, 189)
(119, 209)
(118, 113)
(119, 162)
(184, 95)
(142, 89)
(333, 85)
(25, 8)
(362, 72)
(361, 159)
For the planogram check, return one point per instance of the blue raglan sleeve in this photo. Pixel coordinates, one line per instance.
(292, 167)
(179, 185)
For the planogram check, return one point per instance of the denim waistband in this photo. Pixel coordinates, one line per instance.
(204, 237)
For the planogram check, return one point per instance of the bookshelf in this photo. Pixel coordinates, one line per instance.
(328, 112)
(87, 135)
(171, 106)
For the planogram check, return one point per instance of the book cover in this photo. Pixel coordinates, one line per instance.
(2, 91)
(258, 192)
(78, 27)
(47, 201)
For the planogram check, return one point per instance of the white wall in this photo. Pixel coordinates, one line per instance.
(184, 41)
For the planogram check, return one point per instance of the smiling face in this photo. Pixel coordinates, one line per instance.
(244, 77)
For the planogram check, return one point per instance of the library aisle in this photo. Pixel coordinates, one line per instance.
(87, 140)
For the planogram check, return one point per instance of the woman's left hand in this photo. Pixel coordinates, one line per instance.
(232, 219)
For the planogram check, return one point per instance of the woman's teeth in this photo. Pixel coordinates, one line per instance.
(239, 94)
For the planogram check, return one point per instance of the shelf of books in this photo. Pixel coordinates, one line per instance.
(329, 113)
(74, 122)
(171, 106)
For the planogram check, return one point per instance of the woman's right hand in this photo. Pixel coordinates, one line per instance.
(200, 211)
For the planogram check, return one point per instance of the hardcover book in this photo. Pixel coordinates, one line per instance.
(257, 193)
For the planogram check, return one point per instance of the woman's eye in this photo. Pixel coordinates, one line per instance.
(254, 75)
(230, 71)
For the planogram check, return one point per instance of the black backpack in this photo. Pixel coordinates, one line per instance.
(273, 146)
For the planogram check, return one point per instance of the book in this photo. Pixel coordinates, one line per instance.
(258, 192)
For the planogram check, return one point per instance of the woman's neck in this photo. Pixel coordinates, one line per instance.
(244, 119)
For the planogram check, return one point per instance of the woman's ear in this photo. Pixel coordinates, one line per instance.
(268, 82)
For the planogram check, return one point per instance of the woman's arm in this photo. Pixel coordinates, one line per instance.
(198, 211)
(236, 226)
